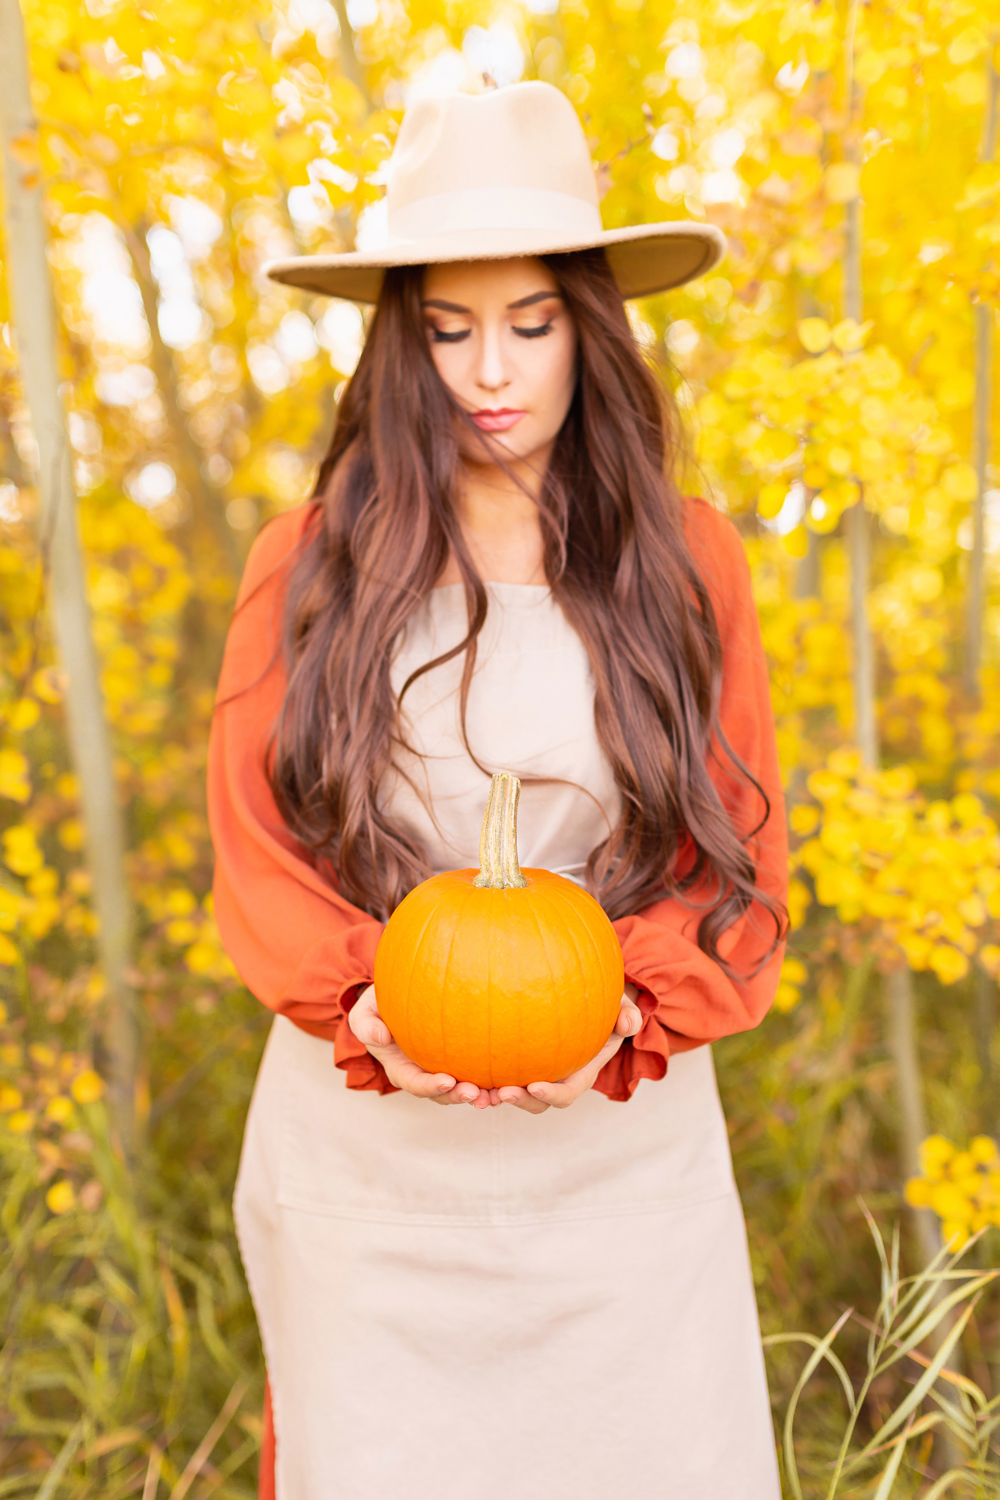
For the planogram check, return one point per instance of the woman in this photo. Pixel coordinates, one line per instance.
(549, 1294)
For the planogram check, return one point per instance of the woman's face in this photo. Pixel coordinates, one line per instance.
(504, 344)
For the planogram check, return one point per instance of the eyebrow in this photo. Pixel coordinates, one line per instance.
(456, 307)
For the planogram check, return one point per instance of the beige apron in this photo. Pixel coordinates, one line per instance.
(457, 1302)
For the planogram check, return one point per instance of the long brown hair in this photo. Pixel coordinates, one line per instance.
(616, 559)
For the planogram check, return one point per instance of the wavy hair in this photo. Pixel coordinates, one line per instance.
(617, 561)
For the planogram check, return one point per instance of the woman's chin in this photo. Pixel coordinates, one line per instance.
(502, 449)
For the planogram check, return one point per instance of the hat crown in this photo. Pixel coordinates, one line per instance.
(511, 158)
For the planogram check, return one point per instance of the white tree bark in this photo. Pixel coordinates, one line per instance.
(984, 318)
(898, 988)
(34, 318)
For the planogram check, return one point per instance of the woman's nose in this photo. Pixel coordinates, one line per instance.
(491, 374)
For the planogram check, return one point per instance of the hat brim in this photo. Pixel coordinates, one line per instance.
(644, 259)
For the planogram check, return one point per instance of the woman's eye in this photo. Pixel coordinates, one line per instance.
(441, 337)
(535, 333)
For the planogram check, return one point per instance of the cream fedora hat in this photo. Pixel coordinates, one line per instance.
(504, 173)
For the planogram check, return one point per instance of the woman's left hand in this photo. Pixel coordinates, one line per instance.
(538, 1097)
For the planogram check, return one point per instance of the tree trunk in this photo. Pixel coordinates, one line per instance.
(983, 403)
(985, 986)
(348, 56)
(902, 1026)
(34, 317)
(902, 1029)
(865, 699)
(985, 990)
(203, 494)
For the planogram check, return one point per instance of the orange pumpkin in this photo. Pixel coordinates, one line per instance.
(499, 976)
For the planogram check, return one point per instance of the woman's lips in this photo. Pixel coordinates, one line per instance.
(496, 421)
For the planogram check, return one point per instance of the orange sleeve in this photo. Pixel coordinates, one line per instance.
(296, 943)
(686, 999)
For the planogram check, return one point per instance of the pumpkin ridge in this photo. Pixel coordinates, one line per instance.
(408, 991)
(598, 961)
(570, 910)
(598, 956)
(444, 972)
(541, 937)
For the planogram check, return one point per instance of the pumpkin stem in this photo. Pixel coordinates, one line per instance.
(498, 866)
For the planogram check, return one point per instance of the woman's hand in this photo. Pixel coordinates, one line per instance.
(538, 1097)
(370, 1029)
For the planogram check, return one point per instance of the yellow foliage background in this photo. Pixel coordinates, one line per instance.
(182, 147)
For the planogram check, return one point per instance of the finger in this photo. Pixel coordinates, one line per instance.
(556, 1095)
(371, 1030)
(521, 1099)
(405, 1074)
(629, 1020)
(462, 1093)
(365, 1021)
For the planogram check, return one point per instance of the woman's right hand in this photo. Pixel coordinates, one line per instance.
(370, 1029)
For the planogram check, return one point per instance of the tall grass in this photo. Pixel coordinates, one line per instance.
(130, 1364)
(932, 1309)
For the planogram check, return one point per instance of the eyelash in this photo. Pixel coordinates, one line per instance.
(440, 337)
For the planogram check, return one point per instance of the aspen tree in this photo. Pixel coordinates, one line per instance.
(984, 316)
(58, 535)
(902, 1025)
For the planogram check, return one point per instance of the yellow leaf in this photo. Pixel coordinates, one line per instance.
(796, 541)
(10, 1099)
(181, 931)
(966, 46)
(954, 1234)
(14, 781)
(959, 482)
(948, 963)
(918, 1192)
(786, 997)
(49, 684)
(60, 1198)
(803, 819)
(23, 714)
(799, 901)
(87, 1087)
(771, 499)
(842, 182)
(8, 953)
(949, 1202)
(814, 334)
(849, 336)
(935, 1152)
(21, 852)
(70, 834)
(989, 958)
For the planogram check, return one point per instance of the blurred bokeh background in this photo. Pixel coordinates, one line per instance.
(835, 375)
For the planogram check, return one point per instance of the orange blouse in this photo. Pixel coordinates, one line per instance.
(306, 952)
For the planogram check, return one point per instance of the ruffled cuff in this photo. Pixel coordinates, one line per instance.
(644, 1055)
(363, 1071)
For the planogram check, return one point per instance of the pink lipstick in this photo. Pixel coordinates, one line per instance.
(496, 421)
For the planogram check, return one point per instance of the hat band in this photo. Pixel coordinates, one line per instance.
(494, 208)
